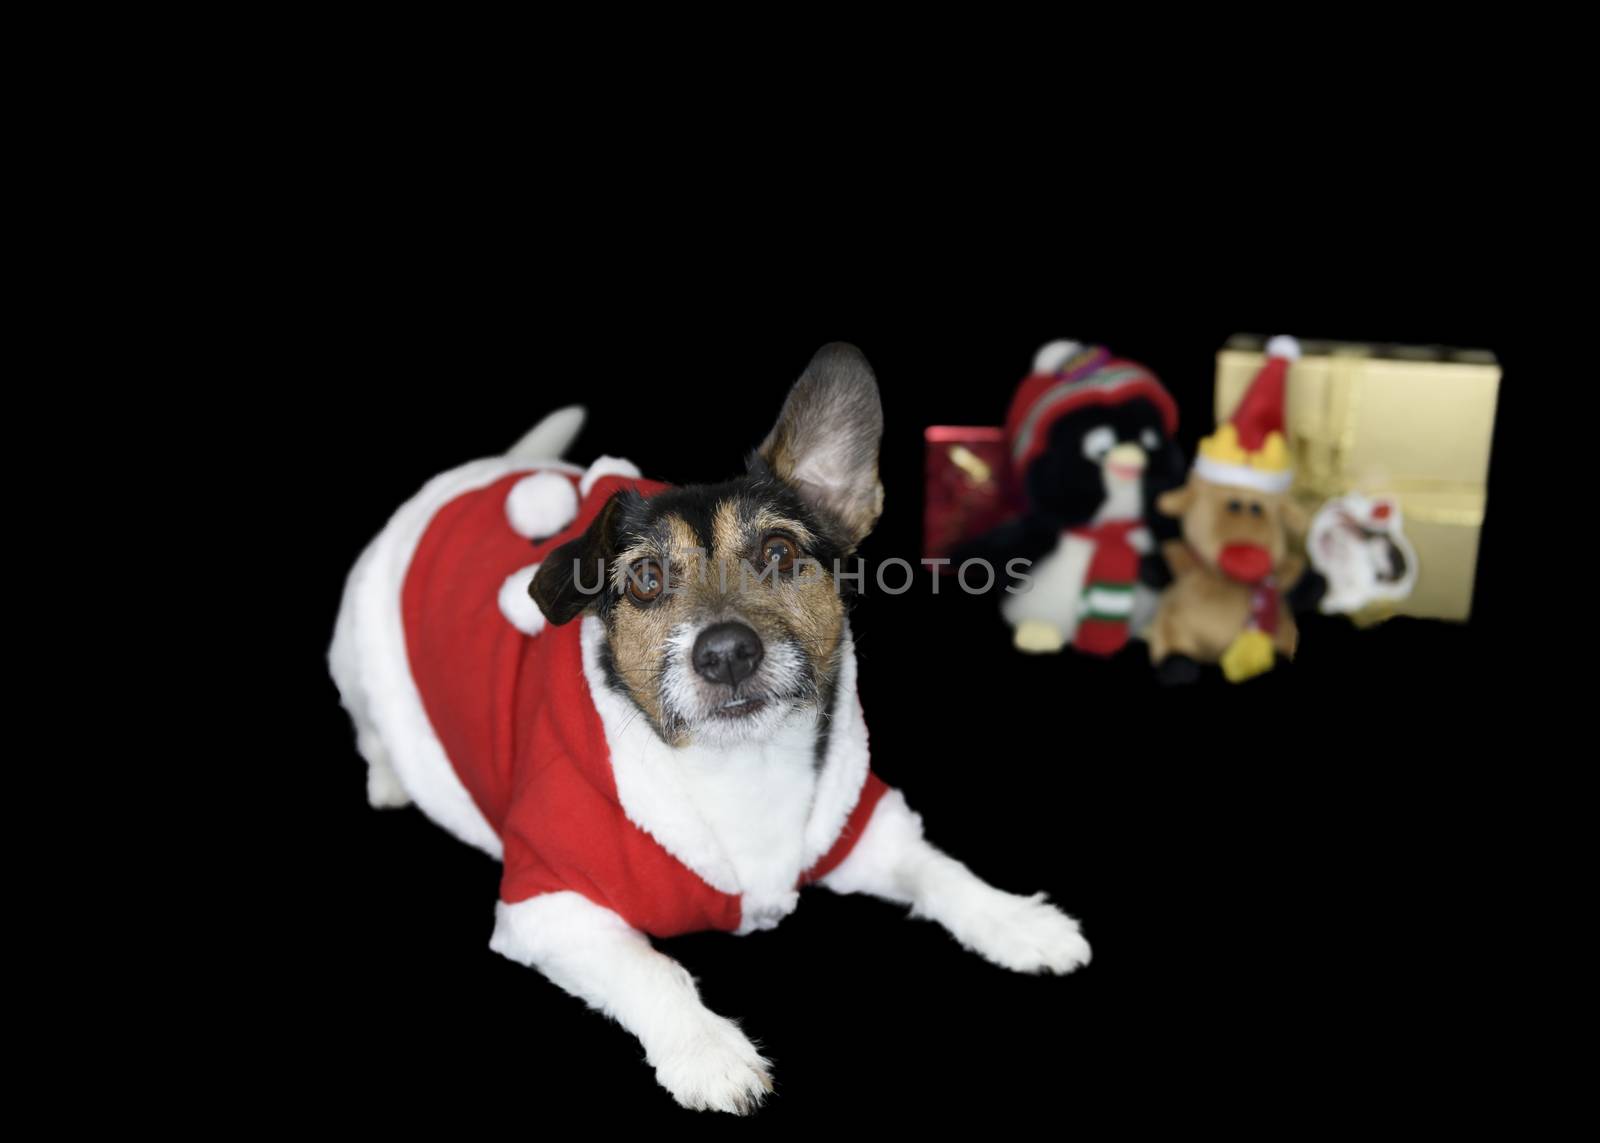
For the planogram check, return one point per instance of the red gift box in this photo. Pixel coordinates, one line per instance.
(967, 485)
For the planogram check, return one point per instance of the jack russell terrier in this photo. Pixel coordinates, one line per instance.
(642, 700)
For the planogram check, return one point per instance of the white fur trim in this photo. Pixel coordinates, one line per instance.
(1053, 355)
(1284, 346)
(893, 831)
(647, 784)
(517, 605)
(755, 796)
(606, 466)
(1238, 475)
(651, 787)
(541, 505)
(369, 663)
(844, 770)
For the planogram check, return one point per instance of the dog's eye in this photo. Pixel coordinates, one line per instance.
(1255, 509)
(1236, 506)
(645, 581)
(779, 552)
(1150, 439)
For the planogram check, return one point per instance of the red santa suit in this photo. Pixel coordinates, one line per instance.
(501, 727)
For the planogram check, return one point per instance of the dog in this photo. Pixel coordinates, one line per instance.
(642, 699)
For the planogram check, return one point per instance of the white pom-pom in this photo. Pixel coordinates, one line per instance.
(1054, 355)
(517, 605)
(606, 466)
(542, 504)
(1284, 346)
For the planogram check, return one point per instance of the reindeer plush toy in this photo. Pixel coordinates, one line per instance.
(1233, 567)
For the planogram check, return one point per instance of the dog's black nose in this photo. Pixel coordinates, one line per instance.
(727, 653)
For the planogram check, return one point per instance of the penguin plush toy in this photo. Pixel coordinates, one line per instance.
(1092, 444)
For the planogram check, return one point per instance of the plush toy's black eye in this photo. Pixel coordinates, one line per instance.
(1150, 439)
(1255, 509)
(645, 582)
(1236, 506)
(779, 551)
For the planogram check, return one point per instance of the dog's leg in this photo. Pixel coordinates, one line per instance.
(701, 1058)
(893, 861)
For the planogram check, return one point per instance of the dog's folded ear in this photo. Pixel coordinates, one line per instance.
(825, 444)
(573, 577)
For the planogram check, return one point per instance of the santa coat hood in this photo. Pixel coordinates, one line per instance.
(503, 729)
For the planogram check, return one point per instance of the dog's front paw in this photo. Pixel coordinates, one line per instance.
(714, 1067)
(1028, 934)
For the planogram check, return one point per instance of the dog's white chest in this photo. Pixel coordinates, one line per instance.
(756, 799)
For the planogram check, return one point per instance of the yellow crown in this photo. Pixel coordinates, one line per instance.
(1223, 447)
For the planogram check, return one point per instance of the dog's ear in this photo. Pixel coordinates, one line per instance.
(825, 444)
(1176, 502)
(573, 577)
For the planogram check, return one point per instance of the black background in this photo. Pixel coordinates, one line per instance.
(1274, 876)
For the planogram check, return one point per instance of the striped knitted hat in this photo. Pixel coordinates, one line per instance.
(1067, 377)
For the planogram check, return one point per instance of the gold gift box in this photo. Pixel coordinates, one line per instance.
(1412, 422)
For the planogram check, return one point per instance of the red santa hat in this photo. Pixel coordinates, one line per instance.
(1250, 449)
(1067, 377)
